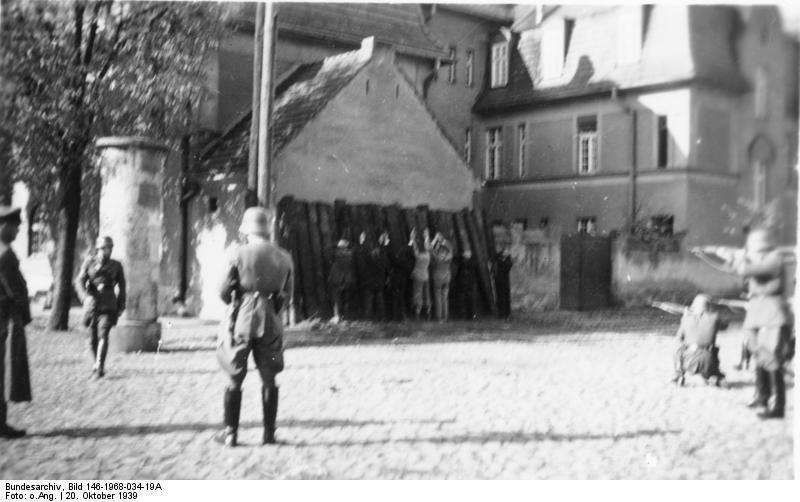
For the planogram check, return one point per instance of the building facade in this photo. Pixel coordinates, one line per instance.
(682, 118)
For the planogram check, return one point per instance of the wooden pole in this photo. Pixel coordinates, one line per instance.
(265, 108)
(251, 197)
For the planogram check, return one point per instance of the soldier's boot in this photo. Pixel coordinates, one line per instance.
(233, 405)
(269, 403)
(100, 362)
(762, 390)
(779, 387)
(6, 431)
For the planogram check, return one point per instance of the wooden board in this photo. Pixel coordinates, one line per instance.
(318, 260)
(312, 304)
(484, 277)
(395, 224)
(462, 237)
(341, 220)
(410, 218)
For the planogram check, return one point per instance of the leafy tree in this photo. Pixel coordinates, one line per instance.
(77, 70)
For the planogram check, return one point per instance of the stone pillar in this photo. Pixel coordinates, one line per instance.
(131, 170)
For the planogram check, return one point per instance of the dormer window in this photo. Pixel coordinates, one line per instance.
(630, 34)
(499, 64)
(555, 44)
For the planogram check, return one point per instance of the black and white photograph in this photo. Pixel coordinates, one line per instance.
(395, 241)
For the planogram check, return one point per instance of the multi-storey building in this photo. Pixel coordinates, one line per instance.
(683, 117)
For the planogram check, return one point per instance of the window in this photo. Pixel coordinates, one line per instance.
(587, 225)
(587, 144)
(470, 67)
(521, 142)
(468, 145)
(213, 204)
(662, 224)
(761, 94)
(451, 74)
(494, 151)
(499, 64)
(544, 222)
(630, 28)
(662, 147)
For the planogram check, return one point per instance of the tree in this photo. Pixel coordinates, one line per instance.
(79, 70)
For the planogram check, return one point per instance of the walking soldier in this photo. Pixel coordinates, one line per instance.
(258, 282)
(98, 277)
(15, 314)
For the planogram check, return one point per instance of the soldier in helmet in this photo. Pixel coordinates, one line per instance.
(97, 280)
(15, 314)
(768, 319)
(257, 284)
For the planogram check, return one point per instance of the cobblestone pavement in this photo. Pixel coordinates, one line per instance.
(556, 396)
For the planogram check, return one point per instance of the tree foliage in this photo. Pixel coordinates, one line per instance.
(77, 70)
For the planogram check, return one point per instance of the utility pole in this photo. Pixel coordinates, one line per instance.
(265, 108)
(251, 197)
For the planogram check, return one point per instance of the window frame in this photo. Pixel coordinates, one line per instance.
(583, 223)
(470, 67)
(468, 145)
(494, 151)
(452, 69)
(522, 143)
(499, 68)
(593, 140)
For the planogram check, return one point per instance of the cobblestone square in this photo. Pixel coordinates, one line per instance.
(526, 399)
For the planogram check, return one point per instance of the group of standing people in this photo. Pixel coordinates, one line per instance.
(425, 271)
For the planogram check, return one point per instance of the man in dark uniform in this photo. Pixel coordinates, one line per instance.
(257, 284)
(502, 282)
(371, 268)
(466, 285)
(15, 314)
(98, 277)
(401, 263)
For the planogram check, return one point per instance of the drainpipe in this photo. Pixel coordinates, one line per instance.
(632, 173)
(633, 165)
(430, 77)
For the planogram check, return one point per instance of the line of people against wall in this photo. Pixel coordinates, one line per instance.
(426, 274)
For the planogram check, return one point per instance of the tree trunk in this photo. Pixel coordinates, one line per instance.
(66, 237)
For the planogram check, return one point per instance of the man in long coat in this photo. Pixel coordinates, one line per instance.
(15, 314)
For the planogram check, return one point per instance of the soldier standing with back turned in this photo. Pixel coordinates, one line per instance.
(257, 284)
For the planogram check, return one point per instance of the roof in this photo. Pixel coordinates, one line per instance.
(502, 13)
(699, 50)
(400, 25)
(298, 99)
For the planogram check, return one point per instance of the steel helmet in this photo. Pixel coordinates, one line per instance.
(256, 221)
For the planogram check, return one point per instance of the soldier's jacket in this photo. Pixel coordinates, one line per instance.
(766, 306)
(98, 281)
(259, 279)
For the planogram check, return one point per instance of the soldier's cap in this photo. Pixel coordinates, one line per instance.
(256, 221)
(104, 242)
(10, 214)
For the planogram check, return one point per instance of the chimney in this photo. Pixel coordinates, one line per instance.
(372, 48)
